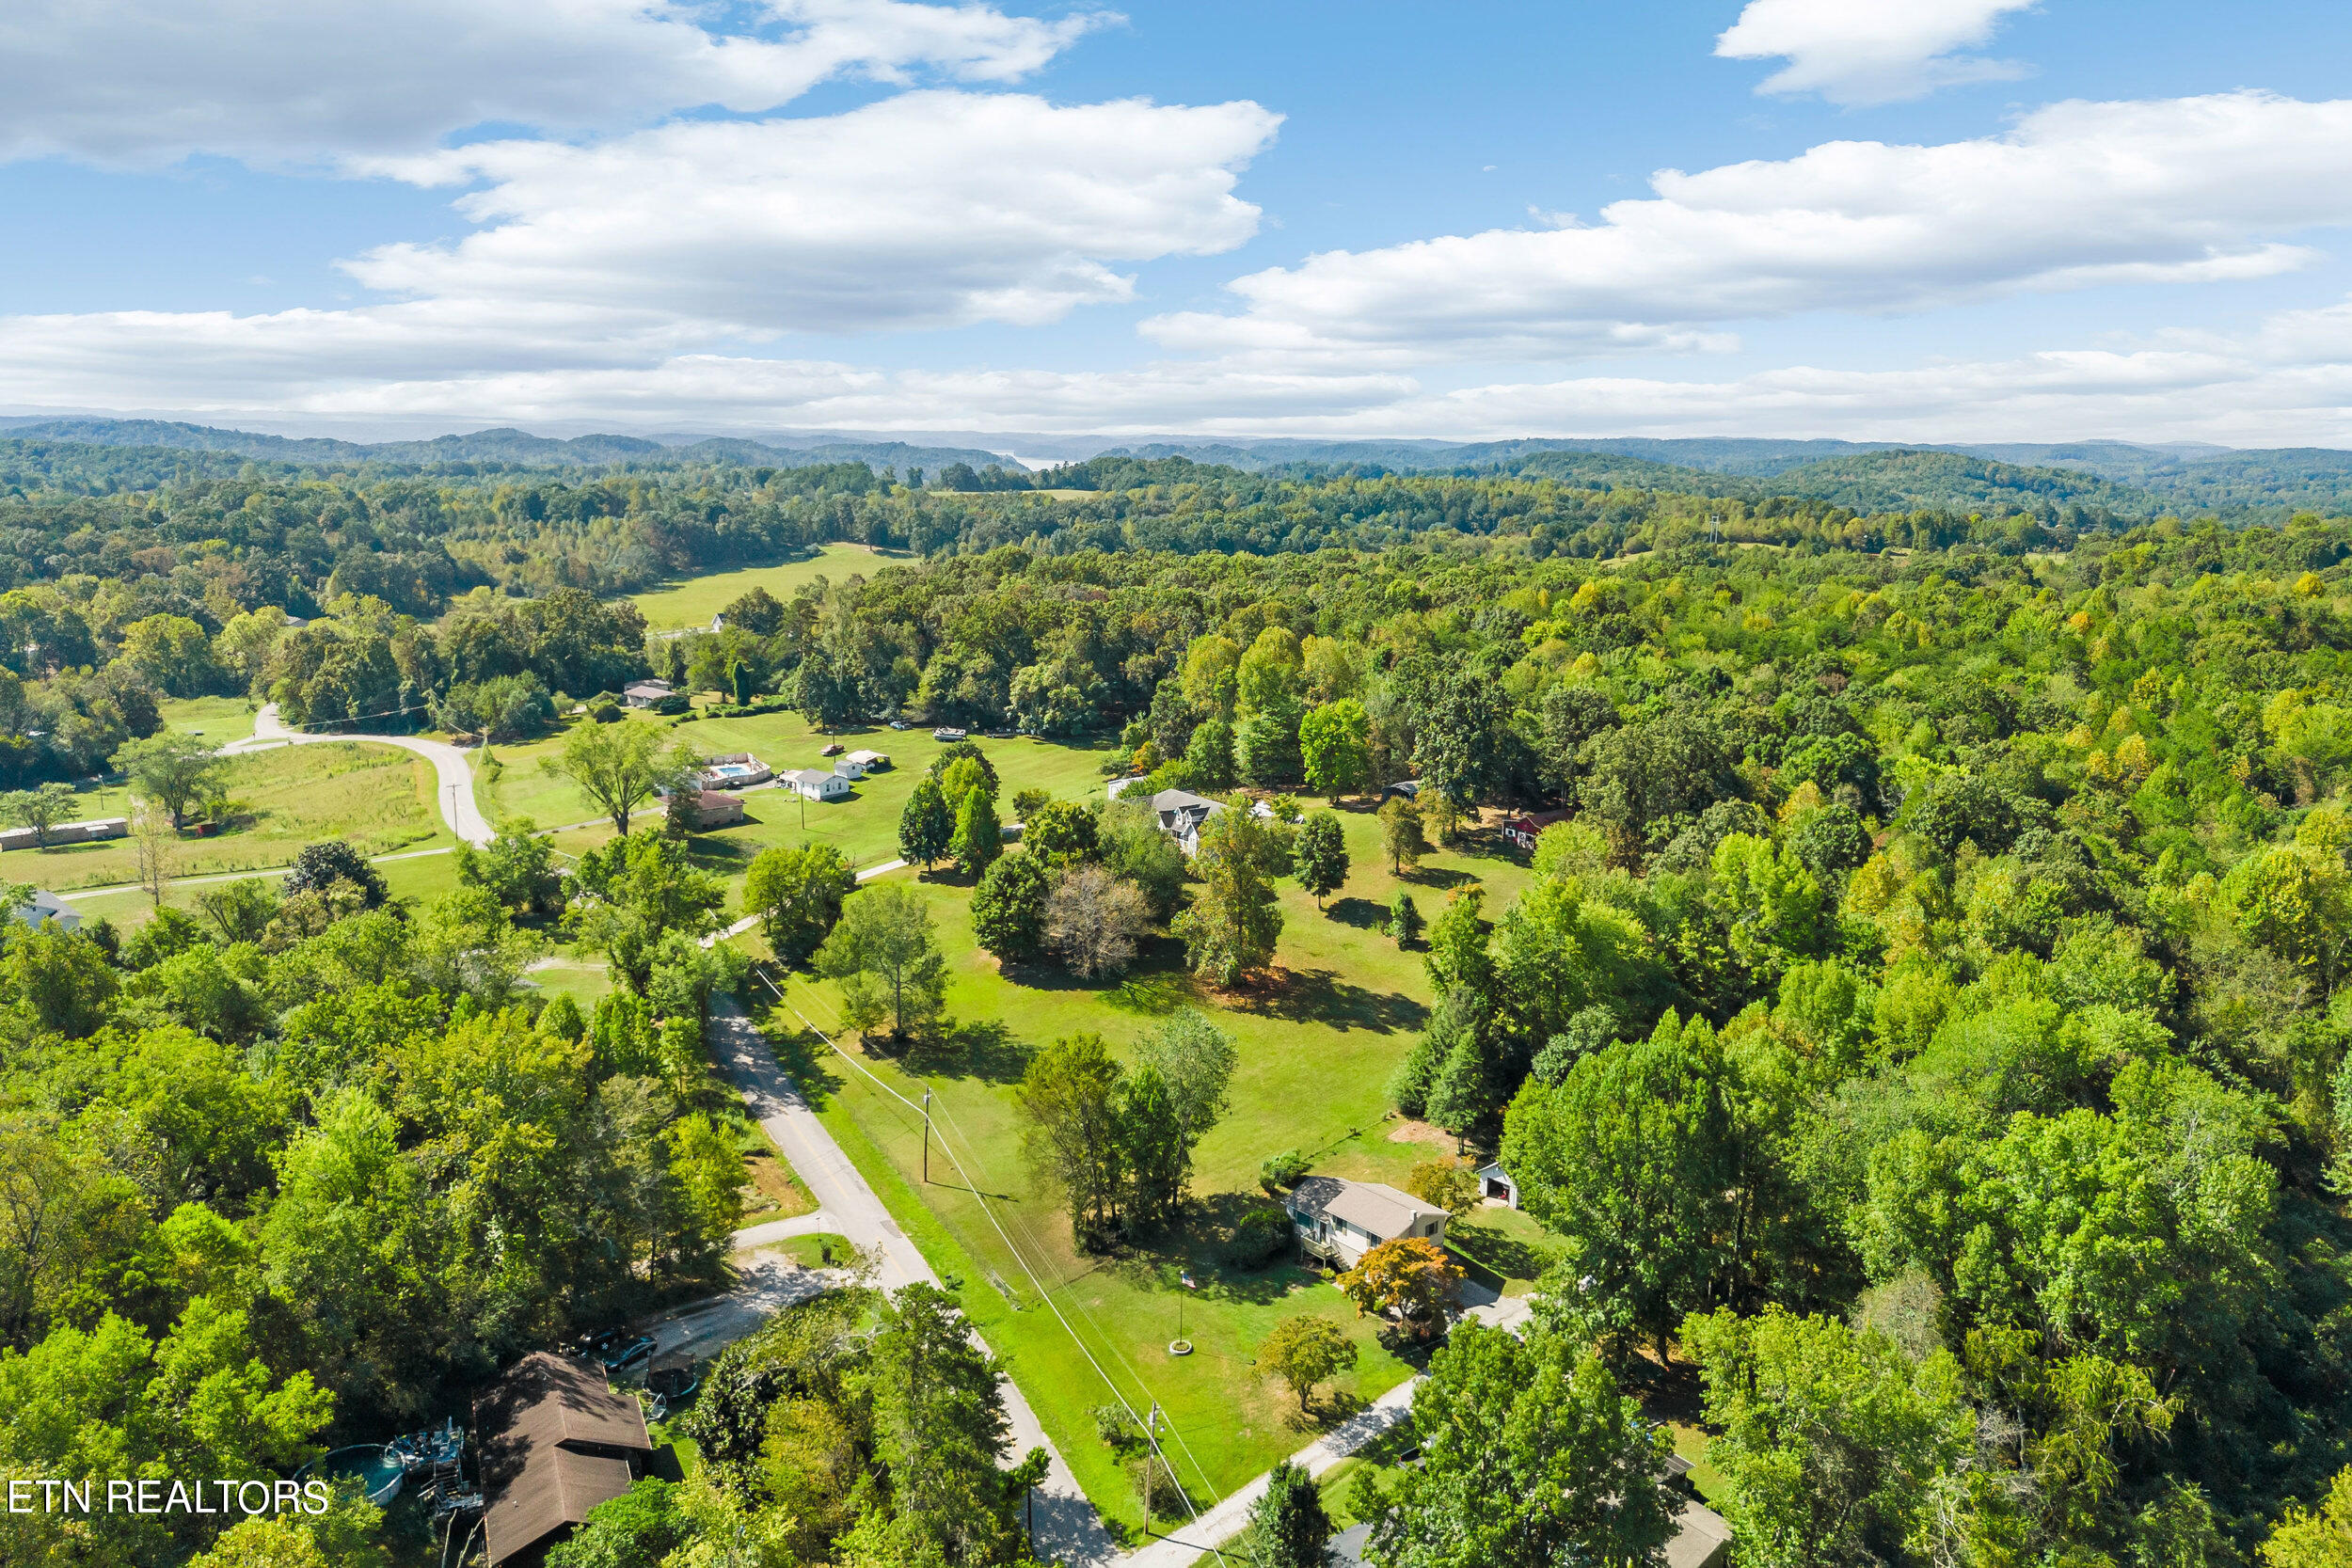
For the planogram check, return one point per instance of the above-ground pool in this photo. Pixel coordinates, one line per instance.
(732, 772)
(377, 1470)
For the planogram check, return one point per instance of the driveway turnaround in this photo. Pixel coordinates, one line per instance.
(453, 789)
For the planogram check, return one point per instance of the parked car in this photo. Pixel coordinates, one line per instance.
(900, 724)
(835, 749)
(626, 1354)
(946, 733)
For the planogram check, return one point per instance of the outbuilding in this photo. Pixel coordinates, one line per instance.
(1340, 1220)
(1496, 1186)
(554, 1440)
(864, 762)
(715, 808)
(1523, 829)
(812, 783)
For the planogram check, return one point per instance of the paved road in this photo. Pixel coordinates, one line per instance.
(1068, 1531)
(453, 793)
(1220, 1524)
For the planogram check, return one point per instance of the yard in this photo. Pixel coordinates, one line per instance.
(1316, 1048)
(694, 602)
(376, 798)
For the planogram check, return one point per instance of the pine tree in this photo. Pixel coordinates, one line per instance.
(925, 827)
(979, 838)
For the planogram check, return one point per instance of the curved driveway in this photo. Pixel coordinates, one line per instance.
(453, 789)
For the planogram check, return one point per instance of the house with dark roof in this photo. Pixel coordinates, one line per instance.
(1182, 814)
(1340, 1220)
(43, 905)
(554, 1441)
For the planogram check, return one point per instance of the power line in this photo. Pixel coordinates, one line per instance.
(1045, 1295)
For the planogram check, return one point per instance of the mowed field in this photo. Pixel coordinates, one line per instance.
(694, 602)
(1316, 1047)
(376, 798)
(864, 828)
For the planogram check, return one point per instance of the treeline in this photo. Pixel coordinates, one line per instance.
(303, 1165)
(1931, 1007)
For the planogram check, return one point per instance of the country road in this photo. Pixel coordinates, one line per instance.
(1068, 1529)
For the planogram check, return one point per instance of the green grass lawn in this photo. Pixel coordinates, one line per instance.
(1504, 1241)
(218, 720)
(377, 798)
(865, 827)
(819, 1249)
(1317, 1048)
(694, 602)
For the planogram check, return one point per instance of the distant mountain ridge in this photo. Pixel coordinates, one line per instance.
(2114, 480)
(502, 445)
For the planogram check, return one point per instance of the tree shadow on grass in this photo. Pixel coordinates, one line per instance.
(1325, 1409)
(1510, 1257)
(977, 1048)
(1437, 877)
(806, 1059)
(1362, 914)
(1200, 1244)
(1320, 996)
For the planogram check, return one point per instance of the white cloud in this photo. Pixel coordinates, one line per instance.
(140, 82)
(1863, 51)
(2180, 190)
(925, 209)
(432, 365)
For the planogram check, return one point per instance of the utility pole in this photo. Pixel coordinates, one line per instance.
(927, 1135)
(1151, 1458)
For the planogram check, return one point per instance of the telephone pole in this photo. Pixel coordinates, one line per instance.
(927, 1135)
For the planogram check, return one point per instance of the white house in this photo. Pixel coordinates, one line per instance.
(813, 785)
(1182, 813)
(1495, 1184)
(48, 906)
(1343, 1220)
(646, 693)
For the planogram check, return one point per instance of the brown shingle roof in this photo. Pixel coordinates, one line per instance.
(554, 1442)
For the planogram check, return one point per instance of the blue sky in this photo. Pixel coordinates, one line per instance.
(1943, 219)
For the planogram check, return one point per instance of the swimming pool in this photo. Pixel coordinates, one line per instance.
(379, 1473)
(735, 773)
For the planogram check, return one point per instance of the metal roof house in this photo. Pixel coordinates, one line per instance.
(555, 1441)
(814, 785)
(864, 762)
(1340, 1220)
(1524, 829)
(646, 693)
(48, 906)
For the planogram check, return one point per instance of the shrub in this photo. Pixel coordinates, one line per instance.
(1282, 1170)
(1259, 1236)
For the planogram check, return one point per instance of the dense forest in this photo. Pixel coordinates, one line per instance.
(1928, 1019)
(119, 560)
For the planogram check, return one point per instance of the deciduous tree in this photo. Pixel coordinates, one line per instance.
(886, 955)
(798, 894)
(1230, 931)
(1303, 1352)
(1319, 856)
